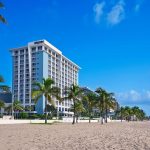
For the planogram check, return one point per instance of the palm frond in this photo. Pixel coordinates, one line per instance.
(50, 100)
(55, 91)
(1, 79)
(48, 82)
(2, 19)
(1, 5)
(2, 104)
(36, 94)
(37, 86)
(4, 88)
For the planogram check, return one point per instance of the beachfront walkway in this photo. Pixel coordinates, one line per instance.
(84, 136)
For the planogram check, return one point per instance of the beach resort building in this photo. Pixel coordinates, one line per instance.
(38, 60)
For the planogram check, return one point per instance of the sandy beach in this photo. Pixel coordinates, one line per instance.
(84, 136)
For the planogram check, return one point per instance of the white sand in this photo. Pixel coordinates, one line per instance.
(82, 136)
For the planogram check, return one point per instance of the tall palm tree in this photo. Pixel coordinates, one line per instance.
(121, 113)
(73, 93)
(90, 100)
(2, 19)
(101, 102)
(110, 103)
(47, 90)
(2, 105)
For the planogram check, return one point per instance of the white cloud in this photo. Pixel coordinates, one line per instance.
(117, 13)
(98, 11)
(134, 96)
(137, 7)
(112, 12)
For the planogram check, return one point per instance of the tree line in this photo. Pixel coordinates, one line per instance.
(85, 102)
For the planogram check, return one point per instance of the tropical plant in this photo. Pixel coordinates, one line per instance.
(101, 97)
(2, 19)
(2, 105)
(52, 110)
(78, 106)
(110, 103)
(8, 109)
(73, 93)
(3, 87)
(90, 102)
(17, 107)
(138, 113)
(47, 90)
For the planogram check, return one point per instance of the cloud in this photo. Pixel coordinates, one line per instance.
(113, 12)
(137, 7)
(98, 11)
(134, 97)
(117, 13)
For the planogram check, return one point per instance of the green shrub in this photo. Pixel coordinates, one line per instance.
(23, 115)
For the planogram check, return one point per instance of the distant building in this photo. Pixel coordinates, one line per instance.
(6, 97)
(36, 61)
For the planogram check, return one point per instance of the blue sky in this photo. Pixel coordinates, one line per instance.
(109, 39)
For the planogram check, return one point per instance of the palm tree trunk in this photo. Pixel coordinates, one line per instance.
(45, 110)
(106, 115)
(121, 117)
(1, 111)
(73, 118)
(74, 109)
(77, 118)
(89, 116)
(102, 115)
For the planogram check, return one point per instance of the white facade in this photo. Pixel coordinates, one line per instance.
(39, 60)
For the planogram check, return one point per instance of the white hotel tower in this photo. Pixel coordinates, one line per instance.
(36, 61)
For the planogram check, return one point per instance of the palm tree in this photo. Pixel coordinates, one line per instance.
(47, 90)
(2, 105)
(17, 107)
(79, 109)
(110, 103)
(73, 93)
(8, 109)
(101, 98)
(138, 113)
(1, 79)
(3, 87)
(2, 19)
(90, 100)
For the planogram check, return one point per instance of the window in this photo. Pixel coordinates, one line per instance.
(33, 49)
(59, 108)
(39, 47)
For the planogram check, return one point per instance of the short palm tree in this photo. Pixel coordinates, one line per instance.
(2, 105)
(90, 101)
(2, 19)
(46, 89)
(8, 109)
(17, 107)
(73, 93)
(79, 108)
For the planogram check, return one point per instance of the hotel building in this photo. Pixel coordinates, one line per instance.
(36, 61)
